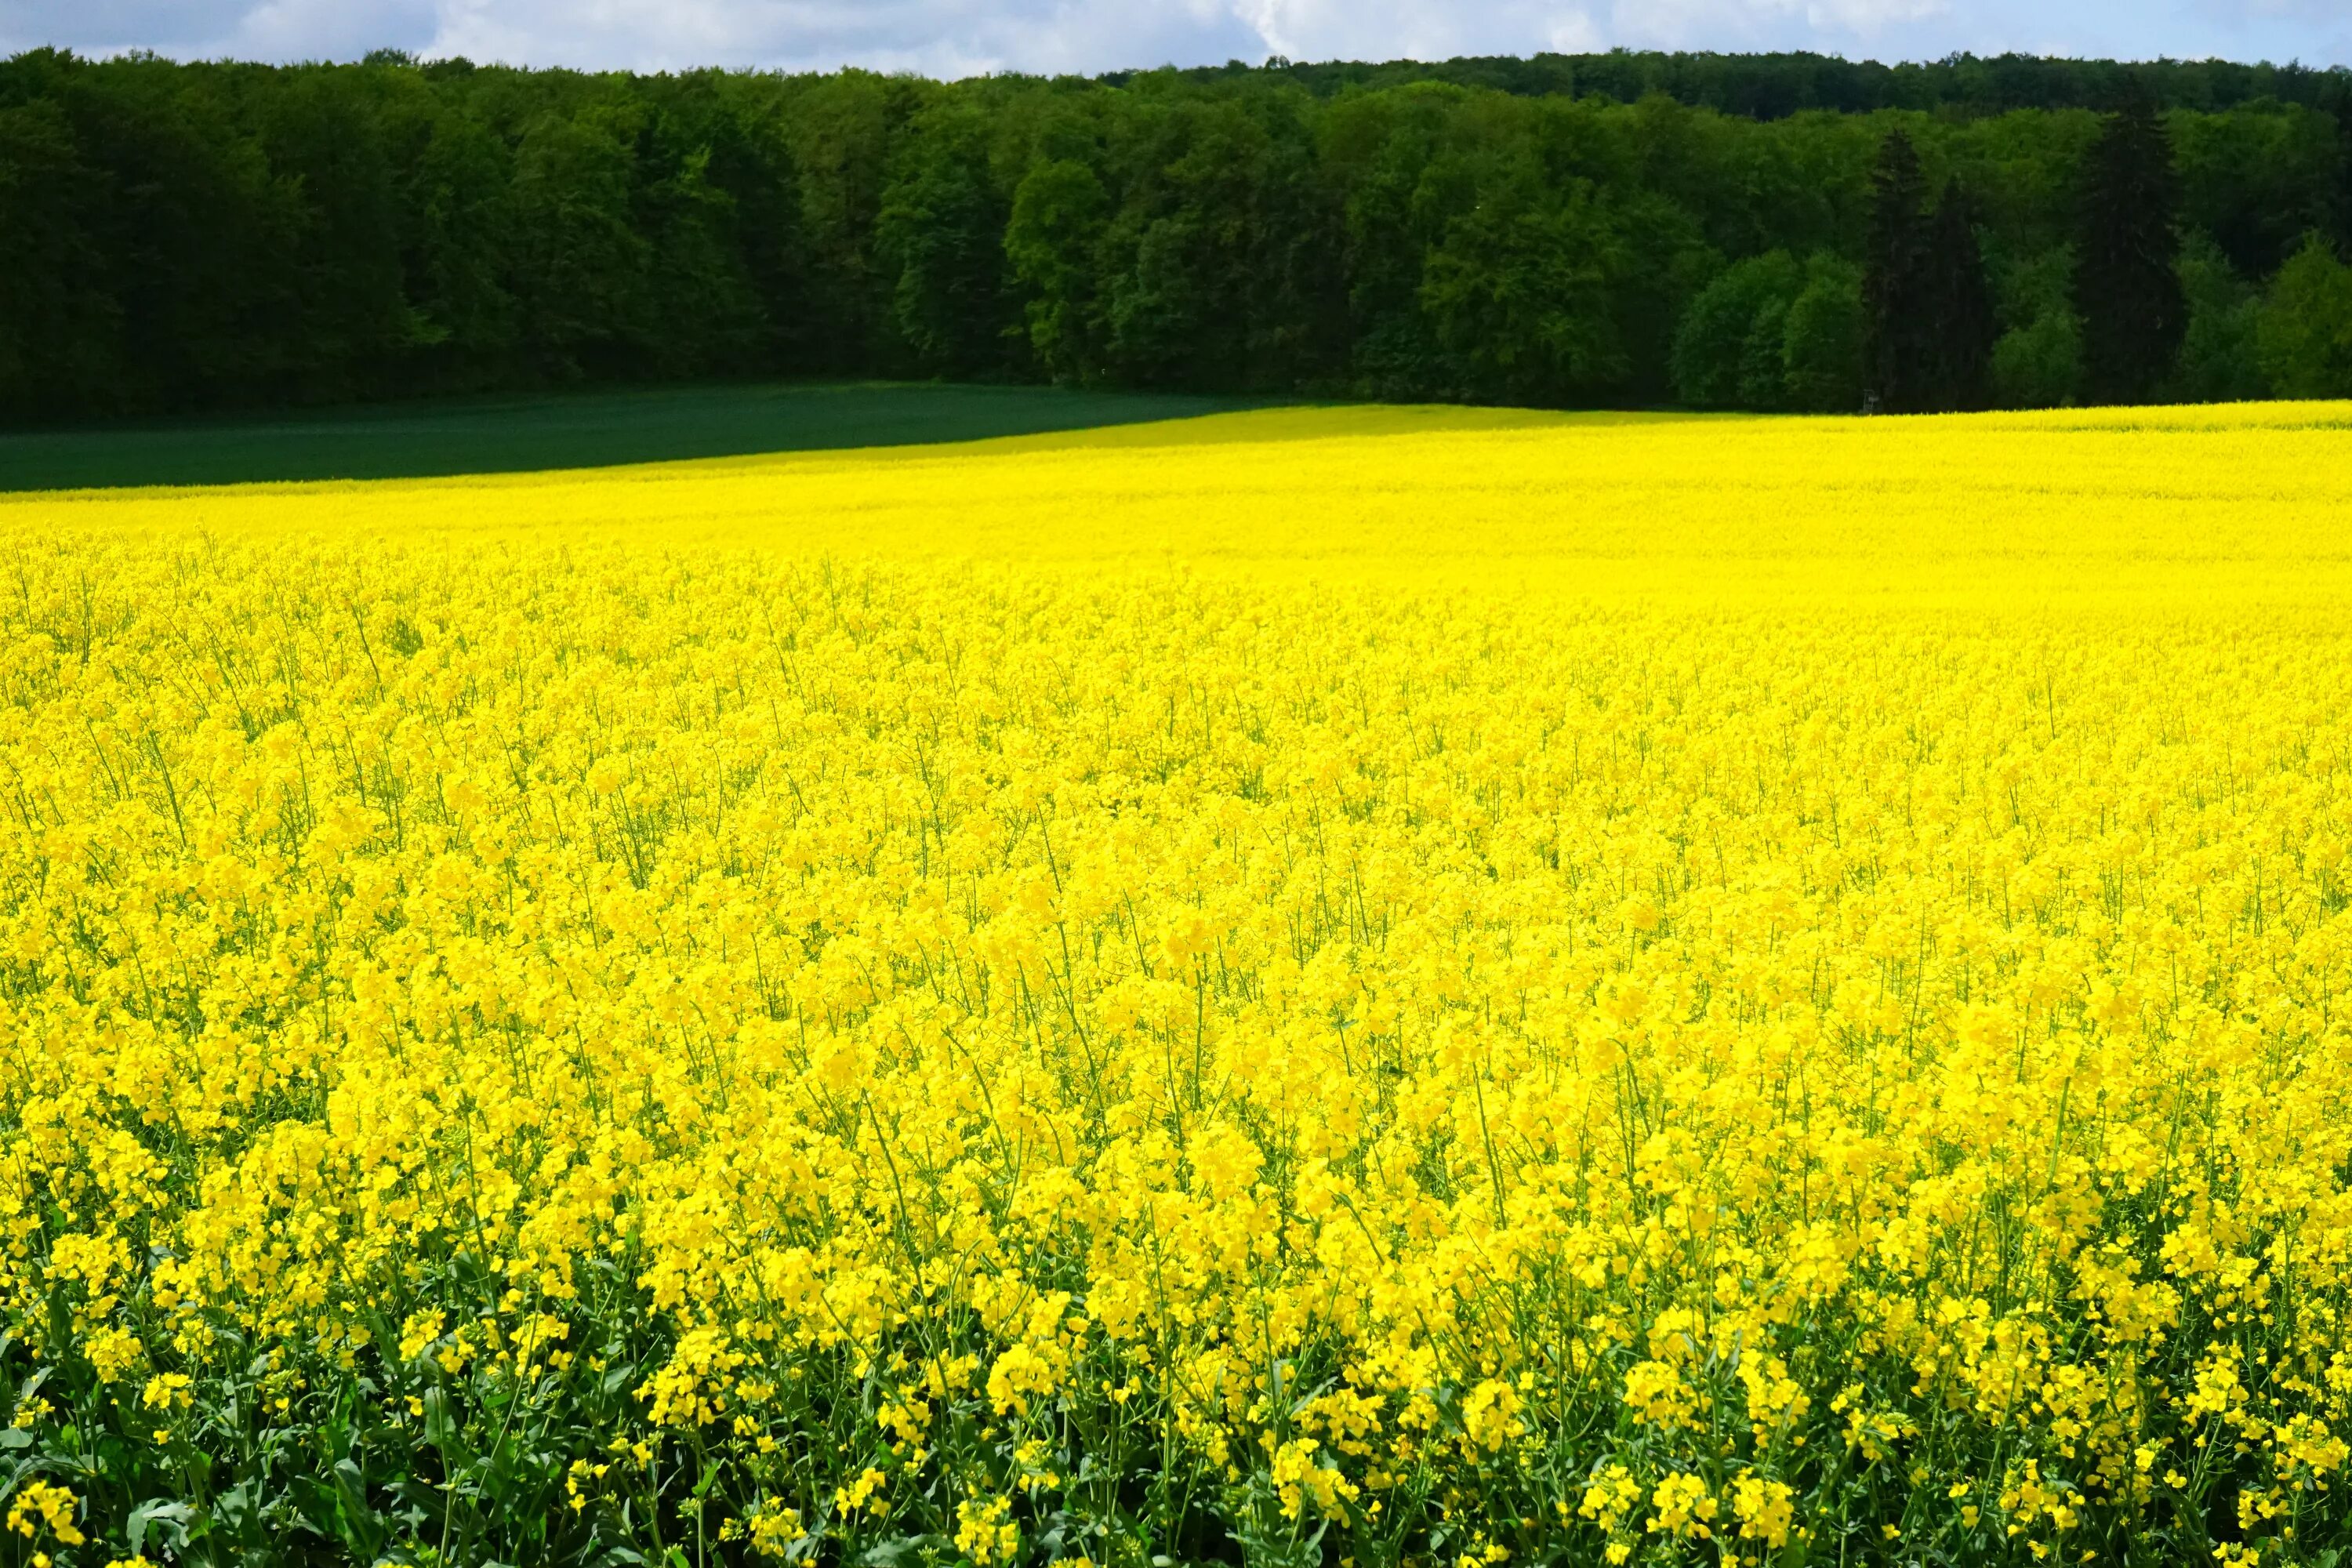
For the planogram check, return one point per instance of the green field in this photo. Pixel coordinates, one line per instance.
(579, 430)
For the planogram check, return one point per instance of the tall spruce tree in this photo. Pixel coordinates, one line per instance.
(2126, 278)
(1956, 299)
(2340, 218)
(1898, 350)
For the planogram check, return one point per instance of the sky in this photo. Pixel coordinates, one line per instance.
(963, 38)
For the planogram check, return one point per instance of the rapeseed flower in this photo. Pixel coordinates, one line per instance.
(1664, 991)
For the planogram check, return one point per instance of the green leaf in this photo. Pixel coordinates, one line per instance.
(440, 1429)
(170, 1517)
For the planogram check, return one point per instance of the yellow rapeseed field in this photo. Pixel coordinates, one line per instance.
(1370, 988)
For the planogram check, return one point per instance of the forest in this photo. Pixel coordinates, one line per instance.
(1781, 232)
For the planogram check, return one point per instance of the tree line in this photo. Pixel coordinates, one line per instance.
(1743, 232)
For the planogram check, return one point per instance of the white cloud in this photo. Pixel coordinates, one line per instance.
(1366, 29)
(196, 27)
(1867, 17)
(1575, 33)
(940, 36)
(1390, 30)
(1764, 23)
(335, 30)
(956, 37)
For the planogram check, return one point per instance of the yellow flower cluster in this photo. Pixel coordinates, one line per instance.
(1423, 989)
(37, 1508)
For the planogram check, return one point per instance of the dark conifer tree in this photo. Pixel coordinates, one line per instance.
(1898, 338)
(2340, 105)
(1957, 302)
(2127, 279)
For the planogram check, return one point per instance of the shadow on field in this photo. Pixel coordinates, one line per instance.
(573, 430)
